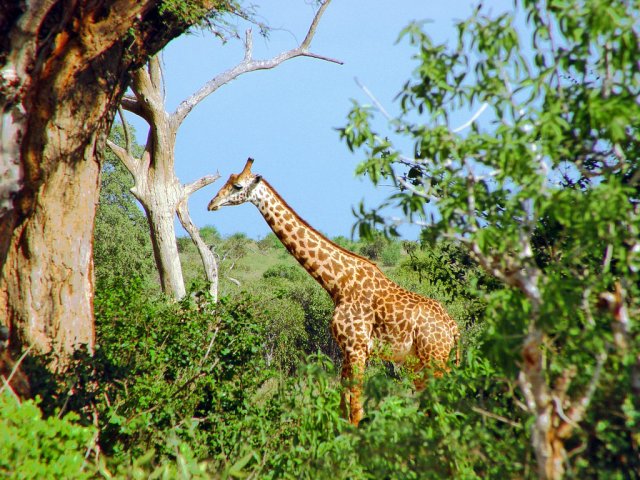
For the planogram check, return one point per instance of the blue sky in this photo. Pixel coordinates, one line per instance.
(286, 118)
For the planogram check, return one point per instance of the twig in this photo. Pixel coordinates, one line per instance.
(375, 101)
(500, 418)
(200, 183)
(213, 339)
(7, 381)
(125, 157)
(473, 118)
(125, 128)
(413, 189)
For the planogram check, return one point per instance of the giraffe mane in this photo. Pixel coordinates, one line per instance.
(304, 222)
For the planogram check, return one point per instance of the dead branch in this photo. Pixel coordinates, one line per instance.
(207, 256)
(125, 157)
(499, 418)
(200, 183)
(127, 133)
(249, 65)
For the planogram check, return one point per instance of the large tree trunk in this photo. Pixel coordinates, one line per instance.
(64, 69)
(46, 286)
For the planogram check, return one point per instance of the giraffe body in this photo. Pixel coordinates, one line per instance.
(372, 313)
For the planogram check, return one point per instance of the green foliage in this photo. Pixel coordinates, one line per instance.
(210, 234)
(298, 312)
(122, 246)
(270, 242)
(544, 194)
(344, 242)
(391, 254)
(373, 245)
(174, 370)
(194, 12)
(437, 434)
(35, 447)
(290, 272)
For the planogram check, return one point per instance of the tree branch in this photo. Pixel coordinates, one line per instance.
(131, 104)
(208, 257)
(125, 128)
(125, 157)
(249, 65)
(155, 75)
(200, 183)
(148, 95)
(413, 189)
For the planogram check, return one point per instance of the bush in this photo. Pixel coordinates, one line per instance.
(293, 273)
(174, 370)
(391, 254)
(35, 447)
(270, 242)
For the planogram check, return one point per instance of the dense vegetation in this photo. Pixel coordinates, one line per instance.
(250, 384)
(545, 198)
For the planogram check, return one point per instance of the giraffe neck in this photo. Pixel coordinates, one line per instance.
(327, 262)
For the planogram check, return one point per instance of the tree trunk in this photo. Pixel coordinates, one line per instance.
(64, 69)
(161, 214)
(46, 287)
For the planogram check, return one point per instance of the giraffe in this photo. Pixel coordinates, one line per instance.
(371, 312)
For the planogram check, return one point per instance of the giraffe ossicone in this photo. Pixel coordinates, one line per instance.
(369, 310)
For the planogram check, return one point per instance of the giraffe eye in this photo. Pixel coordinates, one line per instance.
(237, 186)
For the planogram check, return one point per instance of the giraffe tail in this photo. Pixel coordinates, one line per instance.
(458, 346)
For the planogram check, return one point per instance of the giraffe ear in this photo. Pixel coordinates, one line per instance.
(257, 178)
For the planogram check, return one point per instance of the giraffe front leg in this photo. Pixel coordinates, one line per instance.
(350, 333)
(352, 377)
(345, 395)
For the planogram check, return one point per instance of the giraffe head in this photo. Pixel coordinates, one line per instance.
(238, 188)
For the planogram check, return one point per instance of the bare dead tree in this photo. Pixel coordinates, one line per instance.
(156, 185)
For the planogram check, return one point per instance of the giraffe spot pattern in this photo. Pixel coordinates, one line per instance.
(372, 313)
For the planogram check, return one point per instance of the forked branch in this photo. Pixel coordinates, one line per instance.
(248, 64)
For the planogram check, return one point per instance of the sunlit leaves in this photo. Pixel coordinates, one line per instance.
(546, 181)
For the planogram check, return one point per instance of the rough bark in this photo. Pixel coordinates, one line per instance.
(64, 69)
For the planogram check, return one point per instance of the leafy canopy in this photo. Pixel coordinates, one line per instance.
(541, 186)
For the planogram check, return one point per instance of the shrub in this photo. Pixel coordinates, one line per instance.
(391, 254)
(35, 447)
(183, 370)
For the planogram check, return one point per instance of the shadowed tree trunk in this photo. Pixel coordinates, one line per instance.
(65, 66)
